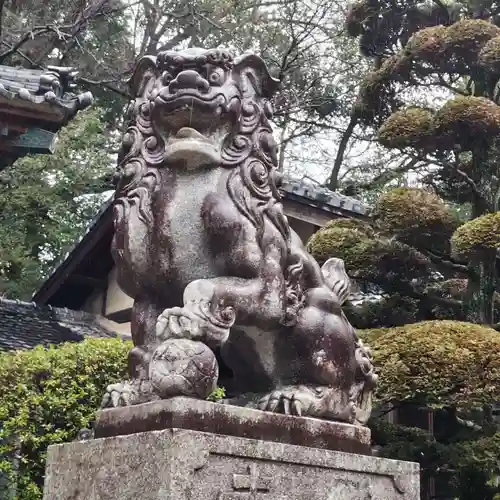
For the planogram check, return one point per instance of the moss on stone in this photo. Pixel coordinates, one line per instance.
(468, 118)
(411, 127)
(477, 236)
(437, 363)
(416, 217)
(489, 57)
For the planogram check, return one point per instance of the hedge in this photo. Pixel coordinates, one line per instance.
(46, 397)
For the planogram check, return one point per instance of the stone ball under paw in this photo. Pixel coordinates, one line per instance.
(182, 367)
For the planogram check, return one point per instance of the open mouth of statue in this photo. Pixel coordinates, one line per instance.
(188, 109)
(193, 130)
(183, 109)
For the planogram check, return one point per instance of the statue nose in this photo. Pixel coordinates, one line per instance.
(189, 79)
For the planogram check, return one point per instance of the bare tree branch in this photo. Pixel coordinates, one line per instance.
(453, 266)
(108, 84)
(390, 175)
(179, 38)
(428, 296)
(64, 32)
(334, 176)
(36, 31)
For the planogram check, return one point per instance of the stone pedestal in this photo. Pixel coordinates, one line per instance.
(162, 451)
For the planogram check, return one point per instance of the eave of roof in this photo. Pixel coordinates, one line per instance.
(44, 96)
(314, 194)
(34, 106)
(99, 224)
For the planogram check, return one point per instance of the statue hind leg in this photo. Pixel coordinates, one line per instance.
(338, 367)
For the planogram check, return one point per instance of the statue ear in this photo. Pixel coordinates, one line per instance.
(336, 278)
(145, 69)
(253, 72)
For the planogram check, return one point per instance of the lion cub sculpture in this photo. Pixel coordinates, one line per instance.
(202, 245)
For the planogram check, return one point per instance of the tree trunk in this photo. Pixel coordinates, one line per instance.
(333, 181)
(479, 300)
(479, 303)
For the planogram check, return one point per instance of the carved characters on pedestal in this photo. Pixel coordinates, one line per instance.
(250, 486)
(203, 246)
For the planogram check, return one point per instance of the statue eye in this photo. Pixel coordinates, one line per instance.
(166, 78)
(216, 76)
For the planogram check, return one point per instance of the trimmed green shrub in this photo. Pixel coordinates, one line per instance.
(46, 397)
(411, 127)
(477, 236)
(367, 256)
(437, 364)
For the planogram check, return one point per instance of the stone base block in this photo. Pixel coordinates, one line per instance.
(197, 415)
(177, 464)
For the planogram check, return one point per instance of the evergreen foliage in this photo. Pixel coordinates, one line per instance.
(46, 397)
(47, 201)
(452, 47)
(452, 369)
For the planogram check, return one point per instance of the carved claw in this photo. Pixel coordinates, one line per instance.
(117, 395)
(193, 322)
(127, 393)
(298, 400)
(178, 322)
(316, 402)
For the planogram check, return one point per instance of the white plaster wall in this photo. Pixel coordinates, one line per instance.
(116, 299)
(94, 303)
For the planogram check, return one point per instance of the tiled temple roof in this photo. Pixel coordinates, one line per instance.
(314, 194)
(34, 106)
(48, 93)
(24, 325)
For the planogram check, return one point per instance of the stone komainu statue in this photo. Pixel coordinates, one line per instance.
(203, 246)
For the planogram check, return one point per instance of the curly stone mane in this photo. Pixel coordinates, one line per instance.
(249, 150)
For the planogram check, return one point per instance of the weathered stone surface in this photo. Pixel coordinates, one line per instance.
(202, 245)
(188, 413)
(178, 464)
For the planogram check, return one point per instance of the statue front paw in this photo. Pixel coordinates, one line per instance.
(193, 322)
(127, 394)
(178, 323)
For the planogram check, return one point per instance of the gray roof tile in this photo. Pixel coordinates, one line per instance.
(50, 88)
(322, 197)
(24, 325)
